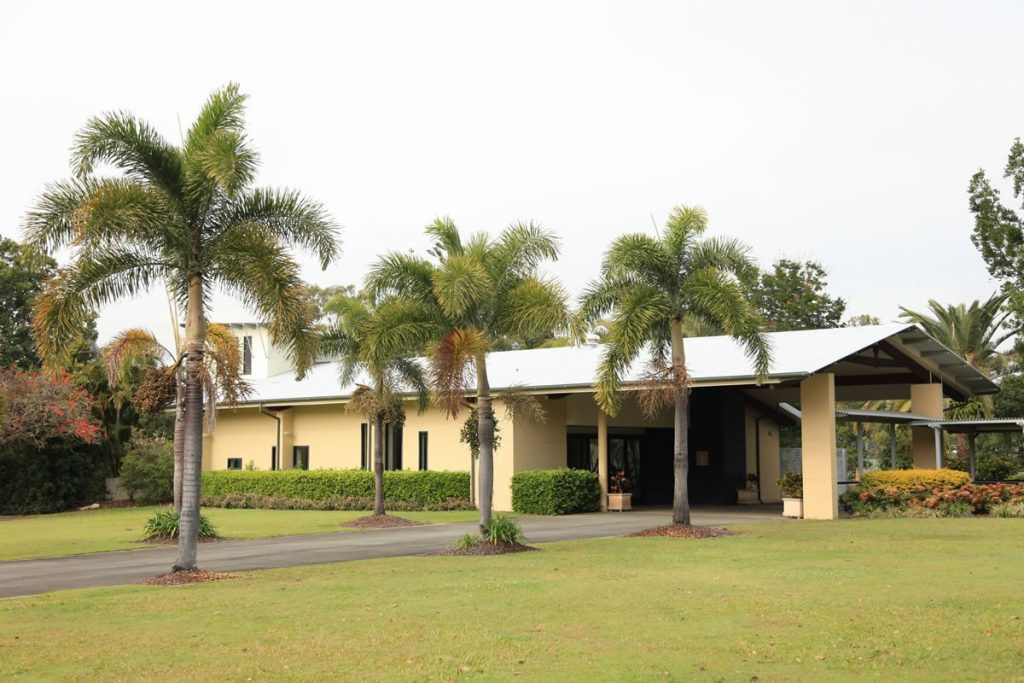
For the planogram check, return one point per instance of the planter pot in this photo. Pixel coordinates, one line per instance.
(620, 502)
(793, 507)
(746, 497)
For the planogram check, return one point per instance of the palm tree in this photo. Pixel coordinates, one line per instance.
(467, 298)
(138, 349)
(657, 287)
(189, 217)
(391, 376)
(973, 332)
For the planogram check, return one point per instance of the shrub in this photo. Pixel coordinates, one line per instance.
(59, 475)
(908, 479)
(1007, 509)
(1018, 476)
(467, 541)
(258, 501)
(418, 490)
(792, 485)
(164, 526)
(555, 492)
(147, 472)
(862, 500)
(956, 508)
(504, 530)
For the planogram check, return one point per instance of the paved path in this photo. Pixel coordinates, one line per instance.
(28, 577)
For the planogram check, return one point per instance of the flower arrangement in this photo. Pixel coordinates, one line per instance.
(619, 482)
(751, 481)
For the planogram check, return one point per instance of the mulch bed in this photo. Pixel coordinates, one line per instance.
(173, 540)
(379, 522)
(183, 578)
(481, 548)
(684, 531)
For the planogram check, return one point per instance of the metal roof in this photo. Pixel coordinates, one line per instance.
(711, 361)
(991, 425)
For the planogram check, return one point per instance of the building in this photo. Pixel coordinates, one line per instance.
(734, 421)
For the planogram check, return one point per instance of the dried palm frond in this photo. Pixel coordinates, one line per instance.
(658, 387)
(519, 404)
(451, 366)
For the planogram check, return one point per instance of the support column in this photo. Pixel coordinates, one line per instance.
(818, 445)
(602, 457)
(892, 445)
(971, 436)
(860, 451)
(925, 399)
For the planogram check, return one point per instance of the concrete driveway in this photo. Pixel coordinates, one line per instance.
(28, 577)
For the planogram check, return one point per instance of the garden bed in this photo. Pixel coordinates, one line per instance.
(384, 521)
(186, 577)
(684, 531)
(485, 548)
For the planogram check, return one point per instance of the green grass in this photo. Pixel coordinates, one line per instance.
(928, 600)
(72, 533)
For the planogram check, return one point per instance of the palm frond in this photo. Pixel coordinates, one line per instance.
(534, 307)
(639, 258)
(519, 404)
(451, 360)
(134, 347)
(445, 234)
(460, 282)
(401, 275)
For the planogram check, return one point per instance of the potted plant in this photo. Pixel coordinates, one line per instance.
(792, 485)
(619, 497)
(747, 493)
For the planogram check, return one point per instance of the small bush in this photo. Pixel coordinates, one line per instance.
(504, 530)
(956, 508)
(258, 501)
(1007, 509)
(908, 479)
(555, 492)
(164, 525)
(1018, 476)
(147, 472)
(53, 477)
(422, 490)
(467, 541)
(861, 500)
(792, 485)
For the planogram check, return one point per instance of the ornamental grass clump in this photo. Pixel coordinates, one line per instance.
(165, 526)
(504, 530)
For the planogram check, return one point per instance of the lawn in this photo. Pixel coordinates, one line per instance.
(927, 600)
(89, 531)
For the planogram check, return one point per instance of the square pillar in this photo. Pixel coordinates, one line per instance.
(818, 446)
(925, 399)
(602, 456)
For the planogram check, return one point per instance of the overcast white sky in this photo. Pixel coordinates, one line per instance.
(842, 132)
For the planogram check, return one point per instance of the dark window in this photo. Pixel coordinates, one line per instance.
(392, 448)
(364, 446)
(247, 355)
(423, 451)
(273, 457)
(300, 457)
(234, 463)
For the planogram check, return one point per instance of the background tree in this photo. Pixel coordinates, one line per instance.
(22, 275)
(459, 303)
(862, 320)
(148, 376)
(391, 374)
(794, 296)
(652, 285)
(188, 217)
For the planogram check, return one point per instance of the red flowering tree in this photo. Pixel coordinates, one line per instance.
(36, 408)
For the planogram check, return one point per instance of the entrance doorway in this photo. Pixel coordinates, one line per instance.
(646, 459)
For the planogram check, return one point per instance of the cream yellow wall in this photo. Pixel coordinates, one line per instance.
(582, 411)
(241, 433)
(332, 434)
(529, 445)
(444, 450)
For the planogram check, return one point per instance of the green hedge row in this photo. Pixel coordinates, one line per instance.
(555, 492)
(415, 488)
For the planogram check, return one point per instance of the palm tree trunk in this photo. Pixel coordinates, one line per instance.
(179, 444)
(485, 434)
(195, 338)
(378, 466)
(681, 456)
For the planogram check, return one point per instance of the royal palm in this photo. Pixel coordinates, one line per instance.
(654, 287)
(189, 217)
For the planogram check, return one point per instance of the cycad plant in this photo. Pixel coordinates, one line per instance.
(188, 217)
(655, 287)
(163, 378)
(393, 373)
(459, 303)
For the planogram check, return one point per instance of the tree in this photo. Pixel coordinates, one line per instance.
(466, 298)
(973, 332)
(654, 284)
(142, 371)
(391, 374)
(793, 296)
(862, 320)
(22, 275)
(189, 217)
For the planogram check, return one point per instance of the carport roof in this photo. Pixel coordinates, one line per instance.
(884, 353)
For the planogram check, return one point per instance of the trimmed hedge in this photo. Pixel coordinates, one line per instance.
(418, 489)
(555, 492)
(908, 479)
(258, 501)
